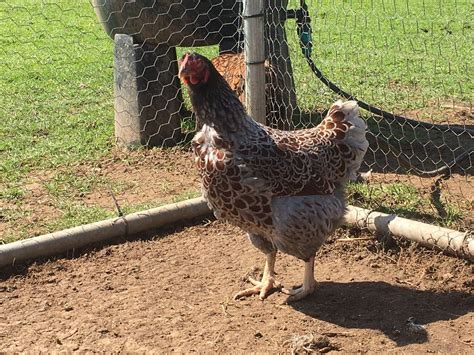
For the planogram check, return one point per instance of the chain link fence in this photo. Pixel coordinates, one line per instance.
(78, 86)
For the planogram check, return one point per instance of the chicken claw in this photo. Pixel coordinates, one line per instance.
(262, 288)
(298, 293)
(266, 285)
(309, 284)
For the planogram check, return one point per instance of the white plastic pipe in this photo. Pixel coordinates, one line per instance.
(59, 242)
(431, 236)
(448, 240)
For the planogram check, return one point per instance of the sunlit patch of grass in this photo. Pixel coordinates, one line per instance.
(454, 215)
(186, 195)
(401, 199)
(71, 184)
(75, 214)
(12, 193)
(398, 55)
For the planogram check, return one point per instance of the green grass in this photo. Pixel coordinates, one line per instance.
(396, 54)
(75, 213)
(401, 199)
(56, 101)
(12, 193)
(56, 85)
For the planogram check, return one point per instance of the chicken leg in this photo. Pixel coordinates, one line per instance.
(268, 282)
(309, 284)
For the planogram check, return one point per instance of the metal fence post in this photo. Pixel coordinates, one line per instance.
(254, 59)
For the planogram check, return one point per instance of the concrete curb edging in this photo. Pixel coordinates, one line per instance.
(451, 241)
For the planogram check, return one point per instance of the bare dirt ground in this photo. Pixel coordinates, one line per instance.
(172, 291)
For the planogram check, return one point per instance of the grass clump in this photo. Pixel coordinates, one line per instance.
(402, 199)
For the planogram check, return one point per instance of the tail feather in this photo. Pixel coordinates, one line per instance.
(349, 129)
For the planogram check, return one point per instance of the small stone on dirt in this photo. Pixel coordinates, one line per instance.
(448, 276)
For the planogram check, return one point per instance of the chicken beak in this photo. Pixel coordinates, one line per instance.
(184, 73)
(192, 72)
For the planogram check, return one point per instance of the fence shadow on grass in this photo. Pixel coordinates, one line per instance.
(402, 148)
(384, 307)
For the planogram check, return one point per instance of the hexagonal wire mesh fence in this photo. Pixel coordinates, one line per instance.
(65, 85)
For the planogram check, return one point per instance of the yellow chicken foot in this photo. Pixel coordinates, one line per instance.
(309, 284)
(268, 282)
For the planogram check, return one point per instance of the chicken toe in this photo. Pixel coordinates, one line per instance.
(266, 285)
(299, 293)
(262, 288)
(308, 287)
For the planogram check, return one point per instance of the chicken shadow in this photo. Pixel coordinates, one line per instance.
(384, 307)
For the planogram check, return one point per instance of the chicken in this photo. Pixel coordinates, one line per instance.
(232, 67)
(284, 188)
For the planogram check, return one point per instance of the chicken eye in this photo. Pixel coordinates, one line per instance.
(194, 80)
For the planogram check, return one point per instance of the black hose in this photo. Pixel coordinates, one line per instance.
(378, 112)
